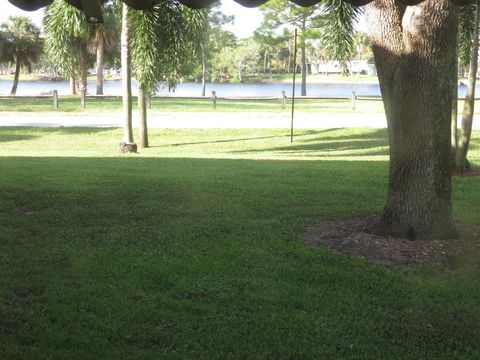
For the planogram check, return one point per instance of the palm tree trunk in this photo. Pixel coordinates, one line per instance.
(469, 105)
(142, 121)
(100, 51)
(126, 78)
(73, 89)
(16, 77)
(204, 70)
(454, 122)
(304, 72)
(304, 60)
(83, 72)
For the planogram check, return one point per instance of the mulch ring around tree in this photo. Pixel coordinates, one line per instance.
(351, 237)
(468, 173)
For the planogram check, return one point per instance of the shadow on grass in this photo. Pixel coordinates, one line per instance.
(223, 141)
(177, 248)
(371, 143)
(12, 137)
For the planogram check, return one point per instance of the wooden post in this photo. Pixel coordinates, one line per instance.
(354, 99)
(82, 98)
(284, 99)
(214, 100)
(55, 99)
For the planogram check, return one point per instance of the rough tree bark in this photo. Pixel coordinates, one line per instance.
(469, 104)
(126, 78)
(414, 49)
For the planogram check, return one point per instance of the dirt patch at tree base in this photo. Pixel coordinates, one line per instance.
(352, 237)
(467, 173)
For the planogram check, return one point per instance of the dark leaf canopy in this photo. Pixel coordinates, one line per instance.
(93, 12)
(30, 5)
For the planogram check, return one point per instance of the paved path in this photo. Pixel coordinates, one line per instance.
(203, 120)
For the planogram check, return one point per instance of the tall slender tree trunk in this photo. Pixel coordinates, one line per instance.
(454, 121)
(304, 71)
(265, 59)
(16, 76)
(126, 78)
(304, 60)
(414, 49)
(469, 104)
(204, 70)
(83, 71)
(100, 53)
(73, 88)
(142, 118)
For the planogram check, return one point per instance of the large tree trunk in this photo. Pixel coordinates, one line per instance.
(204, 70)
(126, 79)
(16, 76)
(142, 119)
(100, 51)
(469, 104)
(414, 62)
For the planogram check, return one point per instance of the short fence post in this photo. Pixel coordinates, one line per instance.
(55, 99)
(354, 100)
(214, 99)
(82, 98)
(284, 99)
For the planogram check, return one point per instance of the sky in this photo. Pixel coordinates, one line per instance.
(246, 19)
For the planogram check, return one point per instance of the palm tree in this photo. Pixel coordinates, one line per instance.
(66, 31)
(26, 45)
(71, 41)
(162, 39)
(101, 37)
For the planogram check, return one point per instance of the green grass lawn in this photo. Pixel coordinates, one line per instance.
(190, 250)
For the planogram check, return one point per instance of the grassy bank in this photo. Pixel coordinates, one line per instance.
(95, 105)
(190, 250)
(99, 105)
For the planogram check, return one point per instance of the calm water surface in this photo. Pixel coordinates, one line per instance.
(194, 89)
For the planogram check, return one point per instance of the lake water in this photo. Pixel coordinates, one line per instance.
(194, 89)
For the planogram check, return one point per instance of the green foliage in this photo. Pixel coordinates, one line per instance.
(66, 31)
(239, 62)
(331, 22)
(162, 40)
(338, 38)
(69, 37)
(20, 41)
(465, 30)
